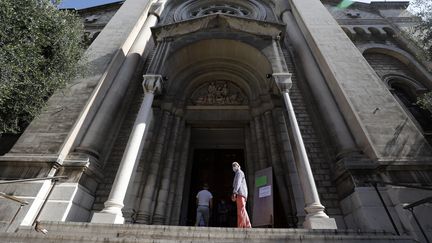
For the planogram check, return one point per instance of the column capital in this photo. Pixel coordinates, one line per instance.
(283, 81)
(156, 8)
(152, 83)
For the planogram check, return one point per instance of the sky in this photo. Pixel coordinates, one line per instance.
(80, 4)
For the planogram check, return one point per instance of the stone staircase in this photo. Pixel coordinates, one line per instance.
(85, 232)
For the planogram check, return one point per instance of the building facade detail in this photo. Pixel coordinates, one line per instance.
(245, 9)
(178, 90)
(218, 93)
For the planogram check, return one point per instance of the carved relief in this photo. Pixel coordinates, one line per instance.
(246, 9)
(218, 93)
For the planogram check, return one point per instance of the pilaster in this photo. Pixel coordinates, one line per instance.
(358, 91)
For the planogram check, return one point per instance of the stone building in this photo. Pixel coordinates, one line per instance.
(175, 91)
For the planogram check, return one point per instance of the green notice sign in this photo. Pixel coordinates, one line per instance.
(261, 181)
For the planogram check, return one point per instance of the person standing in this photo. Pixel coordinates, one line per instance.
(240, 193)
(204, 202)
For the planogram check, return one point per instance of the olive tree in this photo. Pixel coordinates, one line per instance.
(423, 9)
(39, 51)
(423, 34)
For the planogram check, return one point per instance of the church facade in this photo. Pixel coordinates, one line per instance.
(174, 91)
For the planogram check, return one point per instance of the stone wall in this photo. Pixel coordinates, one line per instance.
(67, 108)
(318, 149)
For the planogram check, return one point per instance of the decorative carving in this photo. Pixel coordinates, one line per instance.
(152, 83)
(228, 9)
(283, 81)
(219, 93)
(246, 9)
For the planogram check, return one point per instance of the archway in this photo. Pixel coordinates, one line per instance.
(221, 87)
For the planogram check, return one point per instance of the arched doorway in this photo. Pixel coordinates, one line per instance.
(221, 90)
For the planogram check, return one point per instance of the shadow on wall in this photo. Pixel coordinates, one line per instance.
(7, 141)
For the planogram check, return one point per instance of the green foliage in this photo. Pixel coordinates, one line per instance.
(39, 51)
(423, 9)
(425, 101)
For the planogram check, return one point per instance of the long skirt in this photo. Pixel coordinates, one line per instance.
(242, 215)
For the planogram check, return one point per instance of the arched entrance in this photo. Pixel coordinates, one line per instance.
(218, 91)
(219, 100)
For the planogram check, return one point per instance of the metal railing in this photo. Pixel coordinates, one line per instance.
(24, 203)
(15, 199)
(409, 207)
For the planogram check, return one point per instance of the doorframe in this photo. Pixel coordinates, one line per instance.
(192, 148)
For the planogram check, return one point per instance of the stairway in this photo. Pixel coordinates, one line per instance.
(69, 232)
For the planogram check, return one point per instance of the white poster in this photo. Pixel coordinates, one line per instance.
(265, 191)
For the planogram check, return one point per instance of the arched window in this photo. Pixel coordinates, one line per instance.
(407, 96)
(404, 77)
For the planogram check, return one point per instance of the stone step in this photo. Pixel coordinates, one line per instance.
(86, 232)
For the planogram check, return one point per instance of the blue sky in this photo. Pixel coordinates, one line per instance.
(80, 4)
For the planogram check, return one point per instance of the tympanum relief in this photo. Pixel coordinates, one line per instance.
(218, 93)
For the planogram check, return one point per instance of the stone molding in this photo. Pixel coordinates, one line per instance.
(251, 26)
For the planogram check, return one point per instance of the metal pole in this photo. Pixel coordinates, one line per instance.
(13, 219)
(13, 198)
(35, 221)
(418, 224)
(386, 209)
(34, 179)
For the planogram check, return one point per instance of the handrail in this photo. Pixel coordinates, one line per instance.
(15, 199)
(418, 203)
(399, 184)
(410, 207)
(24, 203)
(34, 179)
(385, 207)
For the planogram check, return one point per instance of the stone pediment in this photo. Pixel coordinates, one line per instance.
(218, 93)
(219, 21)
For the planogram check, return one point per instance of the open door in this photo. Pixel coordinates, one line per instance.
(213, 166)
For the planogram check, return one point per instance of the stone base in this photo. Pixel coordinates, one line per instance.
(320, 223)
(107, 218)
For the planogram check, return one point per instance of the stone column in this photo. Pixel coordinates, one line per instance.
(276, 162)
(358, 90)
(175, 173)
(262, 155)
(175, 214)
(162, 195)
(146, 207)
(100, 128)
(250, 164)
(112, 212)
(289, 165)
(337, 128)
(316, 218)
